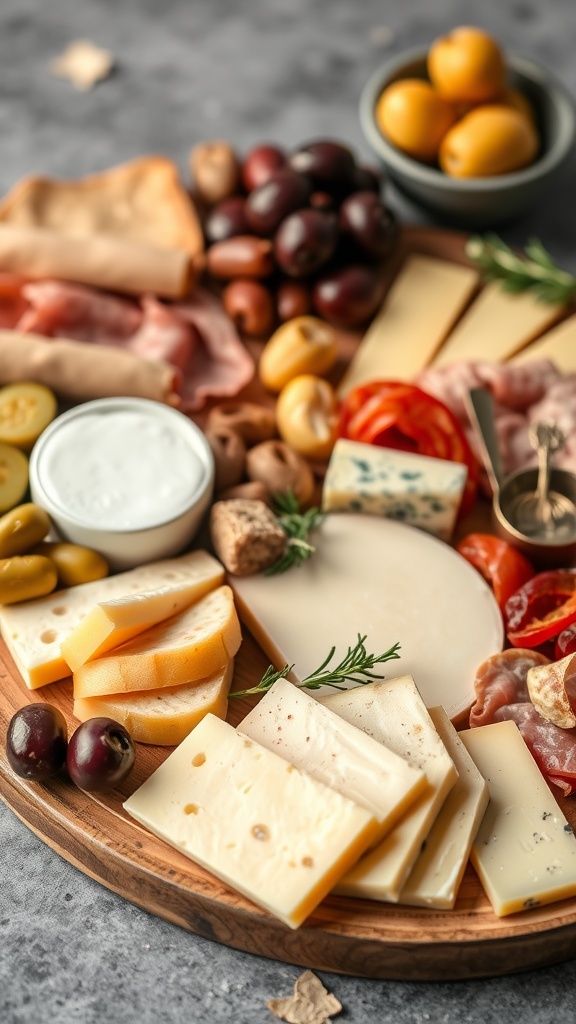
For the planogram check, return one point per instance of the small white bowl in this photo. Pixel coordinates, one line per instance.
(475, 202)
(129, 477)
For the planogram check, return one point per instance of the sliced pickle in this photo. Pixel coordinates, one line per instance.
(13, 476)
(26, 409)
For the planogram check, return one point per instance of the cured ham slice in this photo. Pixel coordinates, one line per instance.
(553, 749)
(12, 301)
(502, 694)
(500, 681)
(195, 337)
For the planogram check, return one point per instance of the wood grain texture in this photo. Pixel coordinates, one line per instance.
(348, 936)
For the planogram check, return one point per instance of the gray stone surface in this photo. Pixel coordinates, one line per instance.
(282, 70)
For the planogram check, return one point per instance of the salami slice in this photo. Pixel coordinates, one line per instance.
(553, 749)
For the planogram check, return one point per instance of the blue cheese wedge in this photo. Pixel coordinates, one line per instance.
(414, 489)
(254, 820)
(300, 729)
(435, 878)
(525, 850)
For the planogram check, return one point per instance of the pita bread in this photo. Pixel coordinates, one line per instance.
(142, 201)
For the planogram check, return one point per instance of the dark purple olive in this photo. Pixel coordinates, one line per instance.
(329, 164)
(283, 193)
(348, 297)
(322, 201)
(36, 741)
(293, 299)
(100, 754)
(305, 241)
(260, 164)
(366, 179)
(371, 224)
(226, 220)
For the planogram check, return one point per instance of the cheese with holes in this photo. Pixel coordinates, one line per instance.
(425, 300)
(497, 325)
(559, 345)
(394, 713)
(112, 623)
(166, 716)
(183, 649)
(254, 820)
(33, 631)
(301, 730)
(414, 489)
(525, 850)
(435, 878)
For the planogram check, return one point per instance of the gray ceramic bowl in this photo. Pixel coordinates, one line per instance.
(475, 202)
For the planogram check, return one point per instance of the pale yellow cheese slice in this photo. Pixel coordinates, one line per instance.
(252, 819)
(184, 649)
(34, 631)
(496, 326)
(435, 878)
(425, 300)
(559, 345)
(301, 730)
(394, 713)
(165, 716)
(525, 850)
(112, 623)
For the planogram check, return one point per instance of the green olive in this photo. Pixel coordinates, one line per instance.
(26, 576)
(74, 563)
(21, 528)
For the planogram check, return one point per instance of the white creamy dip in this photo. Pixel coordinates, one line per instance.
(122, 468)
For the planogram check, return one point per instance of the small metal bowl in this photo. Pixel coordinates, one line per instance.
(543, 552)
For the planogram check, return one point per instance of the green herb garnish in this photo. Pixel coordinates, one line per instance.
(297, 526)
(355, 667)
(533, 271)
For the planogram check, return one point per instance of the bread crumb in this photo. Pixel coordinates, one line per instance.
(83, 64)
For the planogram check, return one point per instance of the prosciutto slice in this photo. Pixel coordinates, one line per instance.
(502, 695)
(195, 337)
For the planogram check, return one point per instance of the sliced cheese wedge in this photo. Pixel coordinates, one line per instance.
(435, 878)
(34, 631)
(424, 302)
(525, 850)
(559, 345)
(184, 649)
(497, 325)
(112, 623)
(394, 713)
(166, 716)
(255, 821)
(301, 730)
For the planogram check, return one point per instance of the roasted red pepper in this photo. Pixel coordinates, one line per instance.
(501, 565)
(542, 608)
(401, 416)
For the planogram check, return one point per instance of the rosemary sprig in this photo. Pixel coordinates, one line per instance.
(533, 271)
(356, 667)
(297, 526)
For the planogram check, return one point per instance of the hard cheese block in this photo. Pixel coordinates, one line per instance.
(525, 851)
(425, 300)
(414, 489)
(34, 631)
(300, 729)
(183, 649)
(559, 345)
(166, 716)
(390, 583)
(435, 878)
(394, 714)
(112, 623)
(255, 821)
(497, 325)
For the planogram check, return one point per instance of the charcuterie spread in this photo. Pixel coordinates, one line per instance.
(277, 378)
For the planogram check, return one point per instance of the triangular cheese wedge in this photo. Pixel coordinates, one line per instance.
(184, 649)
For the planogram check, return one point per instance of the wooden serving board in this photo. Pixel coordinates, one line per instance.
(348, 936)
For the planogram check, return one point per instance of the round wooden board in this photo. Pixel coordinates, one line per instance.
(348, 936)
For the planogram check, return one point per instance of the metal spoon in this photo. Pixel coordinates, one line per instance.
(480, 407)
(544, 513)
